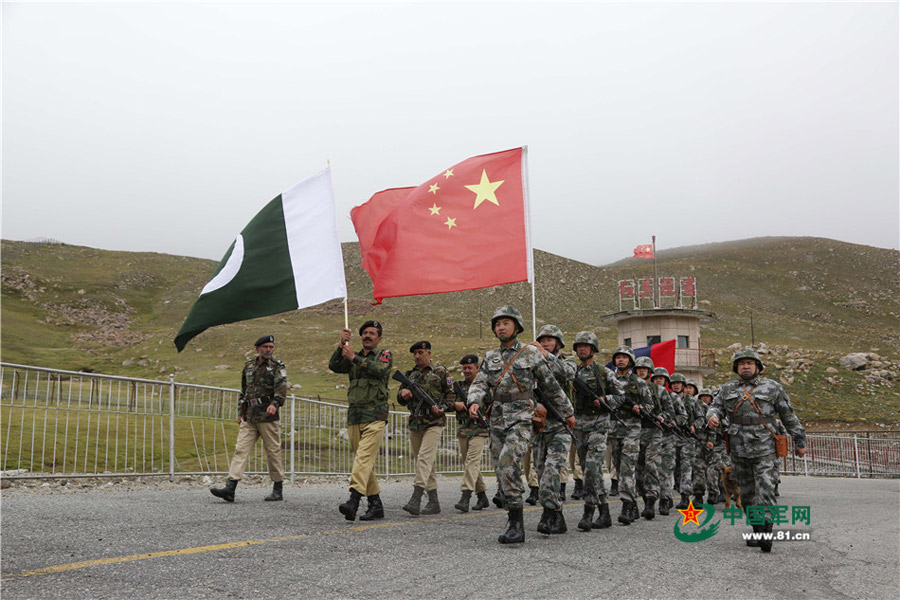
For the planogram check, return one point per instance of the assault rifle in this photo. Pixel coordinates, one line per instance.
(540, 397)
(582, 387)
(418, 392)
(462, 414)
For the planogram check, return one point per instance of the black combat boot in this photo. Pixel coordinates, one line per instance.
(685, 499)
(776, 491)
(698, 499)
(558, 522)
(349, 508)
(226, 493)
(463, 504)
(614, 488)
(515, 533)
(585, 523)
(648, 512)
(415, 501)
(753, 543)
(562, 492)
(544, 523)
(482, 501)
(276, 493)
(375, 510)
(765, 544)
(498, 499)
(578, 492)
(635, 514)
(664, 506)
(712, 498)
(532, 498)
(432, 507)
(625, 515)
(603, 519)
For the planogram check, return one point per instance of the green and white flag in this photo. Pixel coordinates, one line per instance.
(287, 257)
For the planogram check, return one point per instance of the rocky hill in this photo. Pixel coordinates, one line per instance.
(813, 302)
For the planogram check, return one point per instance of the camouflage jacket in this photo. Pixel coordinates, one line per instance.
(662, 404)
(751, 436)
(437, 382)
(511, 397)
(370, 375)
(563, 370)
(467, 427)
(262, 384)
(678, 410)
(603, 382)
(696, 412)
(636, 392)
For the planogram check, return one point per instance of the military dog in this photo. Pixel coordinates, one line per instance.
(731, 488)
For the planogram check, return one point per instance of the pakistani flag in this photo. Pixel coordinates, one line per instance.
(288, 257)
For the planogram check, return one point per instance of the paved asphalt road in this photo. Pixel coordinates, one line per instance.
(96, 545)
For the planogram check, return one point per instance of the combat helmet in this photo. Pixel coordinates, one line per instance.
(747, 353)
(677, 378)
(627, 351)
(644, 361)
(510, 312)
(587, 337)
(688, 382)
(552, 331)
(661, 372)
(706, 392)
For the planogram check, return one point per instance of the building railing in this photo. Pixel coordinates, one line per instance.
(56, 423)
(695, 357)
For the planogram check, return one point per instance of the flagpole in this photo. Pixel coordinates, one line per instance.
(655, 276)
(346, 312)
(526, 192)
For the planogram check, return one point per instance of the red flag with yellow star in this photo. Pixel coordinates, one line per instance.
(465, 228)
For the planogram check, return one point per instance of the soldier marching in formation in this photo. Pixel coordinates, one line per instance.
(667, 435)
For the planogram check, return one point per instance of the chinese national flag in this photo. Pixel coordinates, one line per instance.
(643, 251)
(463, 229)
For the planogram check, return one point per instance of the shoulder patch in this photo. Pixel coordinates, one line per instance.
(385, 356)
(283, 372)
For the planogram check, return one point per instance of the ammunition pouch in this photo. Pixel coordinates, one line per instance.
(539, 420)
(584, 405)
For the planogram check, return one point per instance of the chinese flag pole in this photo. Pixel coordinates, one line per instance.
(526, 194)
(655, 275)
(346, 312)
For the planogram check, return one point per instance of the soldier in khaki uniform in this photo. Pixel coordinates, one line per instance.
(367, 414)
(263, 391)
(426, 424)
(472, 439)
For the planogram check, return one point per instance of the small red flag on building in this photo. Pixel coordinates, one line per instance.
(465, 228)
(643, 251)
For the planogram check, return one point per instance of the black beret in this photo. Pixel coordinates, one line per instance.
(266, 339)
(374, 324)
(423, 345)
(469, 359)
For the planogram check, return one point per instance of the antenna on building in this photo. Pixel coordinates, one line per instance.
(752, 336)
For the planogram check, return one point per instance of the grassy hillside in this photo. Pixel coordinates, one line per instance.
(813, 300)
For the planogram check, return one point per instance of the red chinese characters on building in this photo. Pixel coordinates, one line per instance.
(646, 289)
(626, 289)
(666, 286)
(689, 287)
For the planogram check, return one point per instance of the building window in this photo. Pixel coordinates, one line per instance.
(653, 339)
(628, 342)
(683, 341)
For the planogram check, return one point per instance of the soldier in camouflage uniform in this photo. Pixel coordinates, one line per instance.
(713, 451)
(263, 392)
(367, 414)
(675, 418)
(625, 439)
(592, 427)
(426, 423)
(685, 448)
(752, 403)
(506, 380)
(649, 469)
(472, 438)
(551, 446)
(700, 461)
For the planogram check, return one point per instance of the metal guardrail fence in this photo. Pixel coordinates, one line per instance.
(56, 423)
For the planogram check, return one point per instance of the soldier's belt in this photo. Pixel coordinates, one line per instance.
(753, 420)
(512, 397)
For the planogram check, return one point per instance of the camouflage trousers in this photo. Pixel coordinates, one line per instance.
(757, 478)
(590, 446)
(700, 469)
(551, 451)
(625, 445)
(667, 464)
(647, 474)
(684, 460)
(717, 458)
(508, 446)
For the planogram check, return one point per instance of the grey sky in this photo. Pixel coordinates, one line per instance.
(166, 127)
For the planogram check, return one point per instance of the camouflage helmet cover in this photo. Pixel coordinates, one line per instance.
(746, 353)
(706, 392)
(587, 337)
(661, 372)
(627, 351)
(688, 382)
(510, 312)
(677, 378)
(644, 361)
(552, 331)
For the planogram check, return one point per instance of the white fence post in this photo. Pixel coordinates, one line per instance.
(856, 455)
(172, 427)
(293, 429)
